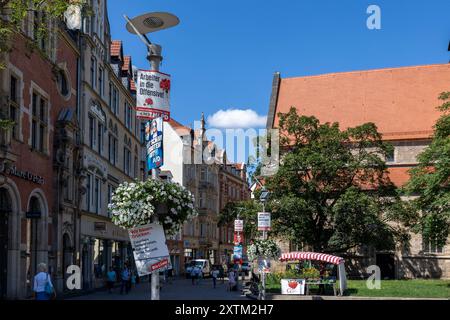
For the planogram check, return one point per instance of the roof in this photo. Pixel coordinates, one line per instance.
(116, 46)
(126, 63)
(394, 99)
(132, 85)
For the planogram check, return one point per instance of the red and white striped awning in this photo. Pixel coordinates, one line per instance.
(311, 256)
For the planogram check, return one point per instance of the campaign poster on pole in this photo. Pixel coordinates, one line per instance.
(238, 225)
(264, 223)
(237, 253)
(149, 248)
(153, 95)
(238, 238)
(154, 143)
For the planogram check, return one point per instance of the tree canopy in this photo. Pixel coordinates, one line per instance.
(430, 181)
(332, 191)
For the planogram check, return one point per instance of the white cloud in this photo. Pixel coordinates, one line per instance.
(236, 119)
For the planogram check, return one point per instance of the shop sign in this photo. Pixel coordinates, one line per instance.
(293, 286)
(100, 226)
(153, 95)
(26, 175)
(149, 248)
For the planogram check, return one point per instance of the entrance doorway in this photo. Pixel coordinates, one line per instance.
(5, 210)
(386, 262)
(32, 242)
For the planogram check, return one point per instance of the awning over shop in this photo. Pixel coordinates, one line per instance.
(290, 256)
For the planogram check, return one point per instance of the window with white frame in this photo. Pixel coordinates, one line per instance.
(431, 246)
(127, 114)
(39, 122)
(112, 148)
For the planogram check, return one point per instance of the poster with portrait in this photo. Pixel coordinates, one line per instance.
(154, 143)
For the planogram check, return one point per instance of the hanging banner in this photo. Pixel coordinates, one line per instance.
(237, 253)
(153, 95)
(149, 248)
(238, 225)
(264, 223)
(154, 143)
(238, 238)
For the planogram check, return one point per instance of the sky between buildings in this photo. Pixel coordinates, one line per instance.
(223, 54)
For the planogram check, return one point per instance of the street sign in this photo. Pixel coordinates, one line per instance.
(154, 143)
(264, 222)
(150, 249)
(153, 95)
(238, 225)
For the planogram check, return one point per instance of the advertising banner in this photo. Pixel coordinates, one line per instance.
(264, 223)
(150, 249)
(237, 253)
(238, 225)
(153, 95)
(292, 286)
(238, 238)
(154, 143)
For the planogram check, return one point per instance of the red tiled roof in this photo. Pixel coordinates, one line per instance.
(400, 101)
(116, 46)
(132, 85)
(126, 63)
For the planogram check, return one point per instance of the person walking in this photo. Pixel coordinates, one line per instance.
(199, 274)
(214, 275)
(125, 284)
(42, 286)
(193, 274)
(133, 279)
(111, 279)
(231, 280)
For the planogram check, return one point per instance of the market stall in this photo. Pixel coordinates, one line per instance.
(338, 261)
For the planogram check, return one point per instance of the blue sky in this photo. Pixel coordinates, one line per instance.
(224, 53)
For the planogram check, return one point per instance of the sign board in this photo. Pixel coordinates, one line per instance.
(149, 248)
(264, 265)
(238, 238)
(238, 225)
(237, 253)
(153, 95)
(100, 226)
(154, 143)
(264, 223)
(33, 214)
(292, 286)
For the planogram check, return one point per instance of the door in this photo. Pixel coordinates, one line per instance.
(5, 210)
(386, 262)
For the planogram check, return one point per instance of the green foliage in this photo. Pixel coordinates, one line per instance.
(332, 191)
(430, 180)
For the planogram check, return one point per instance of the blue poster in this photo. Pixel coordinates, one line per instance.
(237, 253)
(154, 143)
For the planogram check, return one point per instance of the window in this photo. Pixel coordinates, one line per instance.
(93, 72)
(112, 149)
(114, 99)
(88, 191)
(97, 195)
(91, 131)
(14, 107)
(203, 174)
(63, 84)
(110, 193)
(390, 157)
(142, 137)
(126, 160)
(127, 112)
(110, 95)
(100, 138)
(101, 84)
(136, 167)
(431, 246)
(38, 123)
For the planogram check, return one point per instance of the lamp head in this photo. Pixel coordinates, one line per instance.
(152, 22)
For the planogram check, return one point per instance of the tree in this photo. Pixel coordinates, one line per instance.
(332, 191)
(430, 181)
(247, 210)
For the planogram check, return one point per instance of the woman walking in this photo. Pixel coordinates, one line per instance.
(42, 285)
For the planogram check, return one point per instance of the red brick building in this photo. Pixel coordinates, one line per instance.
(38, 87)
(401, 102)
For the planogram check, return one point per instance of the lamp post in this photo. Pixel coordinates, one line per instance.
(141, 25)
(263, 198)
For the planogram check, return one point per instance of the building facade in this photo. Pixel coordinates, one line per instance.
(402, 103)
(110, 146)
(38, 90)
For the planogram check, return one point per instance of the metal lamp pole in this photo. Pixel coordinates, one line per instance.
(149, 22)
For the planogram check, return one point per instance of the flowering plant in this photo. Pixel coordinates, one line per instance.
(134, 204)
(264, 249)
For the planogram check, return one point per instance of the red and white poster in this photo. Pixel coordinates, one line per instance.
(153, 95)
(292, 286)
(238, 238)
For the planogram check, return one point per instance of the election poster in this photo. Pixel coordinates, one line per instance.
(153, 95)
(238, 225)
(154, 143)
(149, 248)
(293, 286)
(264, 223)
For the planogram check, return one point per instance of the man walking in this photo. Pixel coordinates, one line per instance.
(214, 274)
(111, 275)
(126, 276)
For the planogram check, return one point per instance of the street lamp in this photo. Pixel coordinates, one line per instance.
(140, 26)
